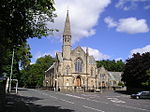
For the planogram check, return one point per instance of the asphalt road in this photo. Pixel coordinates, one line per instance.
(50, 101)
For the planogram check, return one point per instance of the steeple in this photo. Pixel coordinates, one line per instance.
(67, 30)
(67, 39)
(87, 51)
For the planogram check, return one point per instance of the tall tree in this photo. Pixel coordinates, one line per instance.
(21, 59)
(20, 20)
(136, 73)
(112, 65)
(33, 75)
(147, 82)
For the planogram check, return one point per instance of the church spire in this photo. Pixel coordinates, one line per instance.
(67, 39)
(87, 51)
(67, 29)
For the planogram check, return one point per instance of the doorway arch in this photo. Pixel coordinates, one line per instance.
(78, 81)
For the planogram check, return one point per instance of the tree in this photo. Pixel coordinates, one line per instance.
(147, 82)
(136, 72)
(33, 75)
(21, 58)
(117, 66)
(20, 20)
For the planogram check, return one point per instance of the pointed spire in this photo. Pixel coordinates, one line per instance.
(87, 51)
(67, 30)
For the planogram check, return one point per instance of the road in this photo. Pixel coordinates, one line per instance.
(50, 101)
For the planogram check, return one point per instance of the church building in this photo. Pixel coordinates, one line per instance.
(74, 69)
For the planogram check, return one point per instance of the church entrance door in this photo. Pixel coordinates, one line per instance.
(78, 82)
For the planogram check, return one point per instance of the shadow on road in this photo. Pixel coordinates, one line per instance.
(123, 92)
(15, 98)
(22, 89)
(17, 103)
(39, 108)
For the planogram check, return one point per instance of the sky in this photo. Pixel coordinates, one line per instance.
(111, 29)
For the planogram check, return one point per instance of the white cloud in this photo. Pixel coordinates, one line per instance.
(147, 7)
(84, 15)
(40, 54)
(129, 4)
(118, 59)
(111, 23)
(132, 25)
(140, 50)
(96, 53)
(129, 25)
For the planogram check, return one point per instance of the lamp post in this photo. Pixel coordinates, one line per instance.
(46, 84)
(101, 82)
(11, 71)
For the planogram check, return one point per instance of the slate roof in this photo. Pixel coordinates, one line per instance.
(59, 56)
(115, 75)
(92, 60)
(51, 67)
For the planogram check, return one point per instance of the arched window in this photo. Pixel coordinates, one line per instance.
(92, 71)
(67, 70)
(78, 65)
(102, 76)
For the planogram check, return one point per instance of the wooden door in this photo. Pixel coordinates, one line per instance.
(78, 82)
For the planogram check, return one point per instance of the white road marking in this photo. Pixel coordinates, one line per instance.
(116, 100)
(136, 108)
(85, 98)
(92, 108)
(57, 98)
(96, 101)
(113, 96)
(75, 96)
(126, 96)
(53, 97)
(66, 101)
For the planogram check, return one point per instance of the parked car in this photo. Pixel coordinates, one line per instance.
(142, 94)
(97, 90)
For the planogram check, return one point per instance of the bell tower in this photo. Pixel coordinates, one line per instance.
(67, 39)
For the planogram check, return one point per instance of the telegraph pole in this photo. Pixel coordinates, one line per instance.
(11, 72)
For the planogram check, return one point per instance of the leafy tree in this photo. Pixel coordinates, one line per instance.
(147, 82)
(20, 20)
(136, 71)
(33, 75)
(117, 66)
(120, 84)
(21, 58)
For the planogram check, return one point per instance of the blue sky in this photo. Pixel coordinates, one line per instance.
(111, 29)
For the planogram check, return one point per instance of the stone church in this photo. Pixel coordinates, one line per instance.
(74, 69)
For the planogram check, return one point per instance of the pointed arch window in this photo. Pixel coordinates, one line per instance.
(92, 71)
(67, 70)
(78, 65)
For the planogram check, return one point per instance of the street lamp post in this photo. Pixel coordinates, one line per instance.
(11, 71)
(101, 82)
(46, 84)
